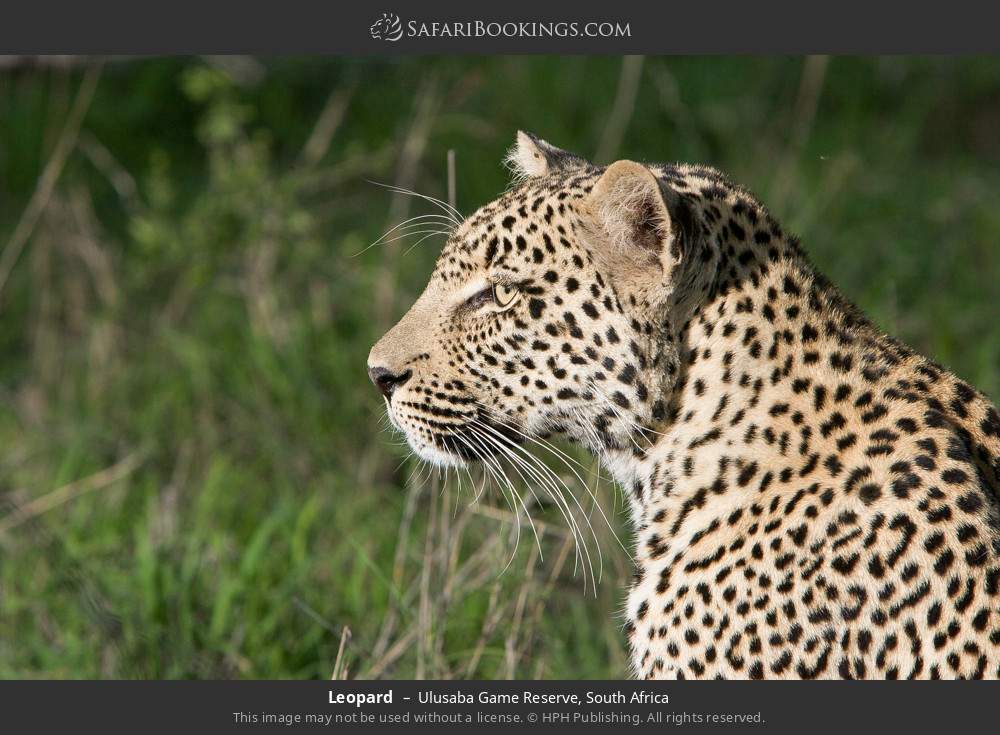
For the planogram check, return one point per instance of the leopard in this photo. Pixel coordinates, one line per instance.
(809, 497)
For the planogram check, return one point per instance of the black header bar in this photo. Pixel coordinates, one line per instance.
(514, 26)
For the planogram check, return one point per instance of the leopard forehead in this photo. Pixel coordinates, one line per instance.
(530, 225)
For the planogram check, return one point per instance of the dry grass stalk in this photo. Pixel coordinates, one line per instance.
(340, 664)
(622, 109)
(327, 124)
(50, 174)
(106, 477)
(803, 116)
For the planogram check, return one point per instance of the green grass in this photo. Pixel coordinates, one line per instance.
(184, 337)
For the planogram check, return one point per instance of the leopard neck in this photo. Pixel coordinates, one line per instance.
(771, 334)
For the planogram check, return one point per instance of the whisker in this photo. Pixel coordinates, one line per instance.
(407, 223)
(491, 472)
(510, 485)
(456, 216)
(501, 419)
(544, 475)
(430, 234)
(514, 463)
(565, 458)
(414, 231)
(476, 454)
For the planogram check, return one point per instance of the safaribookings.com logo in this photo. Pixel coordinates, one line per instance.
(390, 28)
(387, 28)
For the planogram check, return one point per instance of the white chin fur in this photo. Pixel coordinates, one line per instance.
(427, 453)
(438, 458)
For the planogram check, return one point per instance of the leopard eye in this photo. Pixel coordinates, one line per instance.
(504, 295)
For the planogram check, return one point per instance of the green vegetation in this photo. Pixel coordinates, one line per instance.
(195, 480)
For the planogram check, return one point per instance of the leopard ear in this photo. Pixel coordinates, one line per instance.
(531, 156)
(630, 209)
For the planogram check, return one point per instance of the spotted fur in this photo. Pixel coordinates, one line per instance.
(810, 497)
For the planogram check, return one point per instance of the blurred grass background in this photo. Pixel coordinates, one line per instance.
(194, 478)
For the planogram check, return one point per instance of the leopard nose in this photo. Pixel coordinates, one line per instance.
(387, 381)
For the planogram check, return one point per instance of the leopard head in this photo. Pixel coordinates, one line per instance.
(553, 310)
